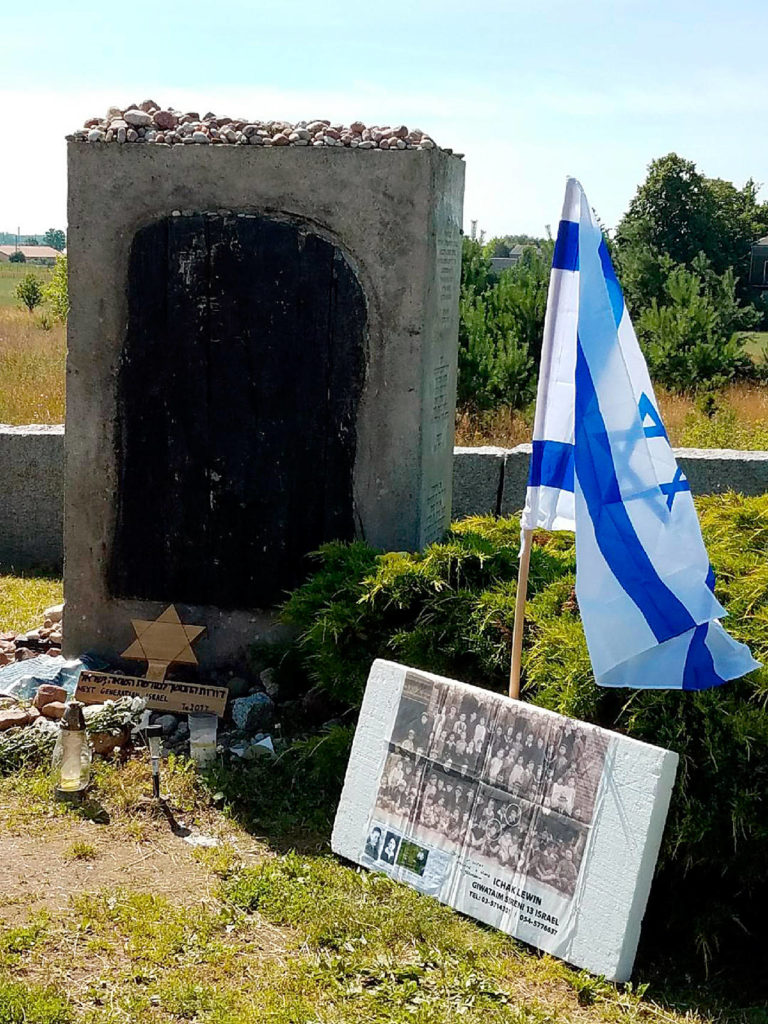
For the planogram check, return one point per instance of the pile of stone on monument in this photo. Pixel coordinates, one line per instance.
(44, 640)
(148, 122)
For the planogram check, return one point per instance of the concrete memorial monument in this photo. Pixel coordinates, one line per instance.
(262, 357)
(542, 826)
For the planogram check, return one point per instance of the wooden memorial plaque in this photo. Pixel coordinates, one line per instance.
(165, 695)
(160, 642)
(542, 826)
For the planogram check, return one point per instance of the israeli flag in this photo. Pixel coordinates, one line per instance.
(602, 465)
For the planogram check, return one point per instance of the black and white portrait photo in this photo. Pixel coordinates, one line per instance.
(389, 853)
(373, 843)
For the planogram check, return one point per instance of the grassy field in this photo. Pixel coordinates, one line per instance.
(11, 274)
(32, 369)
(32, 372)
(32, 358)
(757, 344)
(734, 418)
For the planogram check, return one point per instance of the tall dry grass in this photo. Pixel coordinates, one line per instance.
(32, 369)
(736, 417)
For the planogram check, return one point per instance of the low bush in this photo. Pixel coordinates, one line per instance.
(450, 610)
(29, 291)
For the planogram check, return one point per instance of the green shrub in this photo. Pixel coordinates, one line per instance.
(55, 292)
(29, 291)
(17, 257)
(450, 610)
(692, 338)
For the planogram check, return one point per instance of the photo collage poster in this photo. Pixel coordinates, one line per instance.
(488, 804)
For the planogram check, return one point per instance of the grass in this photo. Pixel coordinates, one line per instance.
(288, 938)
(31, 1004)
(81, 850)
(23, 598)
(32, 358)
(303, 938)
(32, 369)
(292, 938)
(757, 342)
(736, 417)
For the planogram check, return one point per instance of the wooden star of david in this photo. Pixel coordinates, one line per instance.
(162, 642)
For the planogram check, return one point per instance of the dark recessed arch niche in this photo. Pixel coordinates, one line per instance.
(238, 386)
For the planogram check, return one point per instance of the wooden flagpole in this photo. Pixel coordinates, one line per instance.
(517, 630)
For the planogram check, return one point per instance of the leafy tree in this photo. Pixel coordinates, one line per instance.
(501, 326)
(475, 268)
(521, 296)
(691, 336)
(678, 213)
(55, 292)
(29, 292)
(502, 245)
(17, 257)
(494, 367)
(56, 238)
(496, 247)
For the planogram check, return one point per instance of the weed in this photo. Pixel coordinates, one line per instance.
(81, 850)
(31, 1004)
(222, 860)
(17, 941)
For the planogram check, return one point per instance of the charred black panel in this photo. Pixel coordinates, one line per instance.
(238, 389)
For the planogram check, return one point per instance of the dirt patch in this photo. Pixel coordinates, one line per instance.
(38, 874)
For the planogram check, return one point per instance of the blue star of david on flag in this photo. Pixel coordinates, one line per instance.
(602, 466)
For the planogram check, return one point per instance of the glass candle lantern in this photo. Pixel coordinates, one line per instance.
(72, 753)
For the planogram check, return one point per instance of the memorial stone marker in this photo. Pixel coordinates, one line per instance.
(262, 357)
(544, 827)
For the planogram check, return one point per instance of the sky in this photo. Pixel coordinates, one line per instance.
(530, 92)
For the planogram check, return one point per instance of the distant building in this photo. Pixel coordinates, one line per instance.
(38, 255)
(758, 270)
(499, 263)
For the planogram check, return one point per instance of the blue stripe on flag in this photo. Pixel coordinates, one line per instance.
(616, 538)
(699, 672)
(551, 465)
(612, 283)
(566, 254)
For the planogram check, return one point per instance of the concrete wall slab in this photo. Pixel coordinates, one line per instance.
(31, 497)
